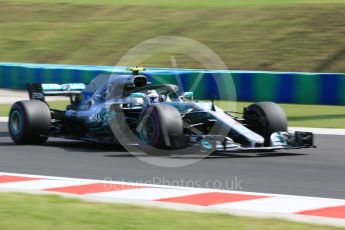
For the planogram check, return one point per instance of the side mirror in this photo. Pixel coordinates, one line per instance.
(187, 96)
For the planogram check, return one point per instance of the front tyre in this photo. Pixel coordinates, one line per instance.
(29, 122)
(265, 118)
(158, 124)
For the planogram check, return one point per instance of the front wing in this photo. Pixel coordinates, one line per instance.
(279, 140)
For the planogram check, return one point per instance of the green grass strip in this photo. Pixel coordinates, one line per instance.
(284, 35)
(18, 211)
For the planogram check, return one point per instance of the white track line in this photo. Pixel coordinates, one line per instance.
(3, 119)
(41, 184)
(322, 131)
(282, 204)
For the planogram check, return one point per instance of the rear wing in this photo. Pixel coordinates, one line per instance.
(39, 91)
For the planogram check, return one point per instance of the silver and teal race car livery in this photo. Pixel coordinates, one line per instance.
(128, 110)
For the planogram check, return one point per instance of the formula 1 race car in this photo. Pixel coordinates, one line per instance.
(129, 110)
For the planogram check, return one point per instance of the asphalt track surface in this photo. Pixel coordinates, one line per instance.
(311, 172)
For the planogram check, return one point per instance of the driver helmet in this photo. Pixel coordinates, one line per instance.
(153, 95)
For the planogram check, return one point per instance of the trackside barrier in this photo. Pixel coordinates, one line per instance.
(283, 87)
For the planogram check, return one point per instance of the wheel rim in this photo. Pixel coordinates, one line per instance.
(148, 131)
(16, 122)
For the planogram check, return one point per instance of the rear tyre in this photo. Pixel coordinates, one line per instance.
(158, 125)
(29, 122)
(265, 118)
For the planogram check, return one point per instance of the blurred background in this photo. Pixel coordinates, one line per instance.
(285, 35)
